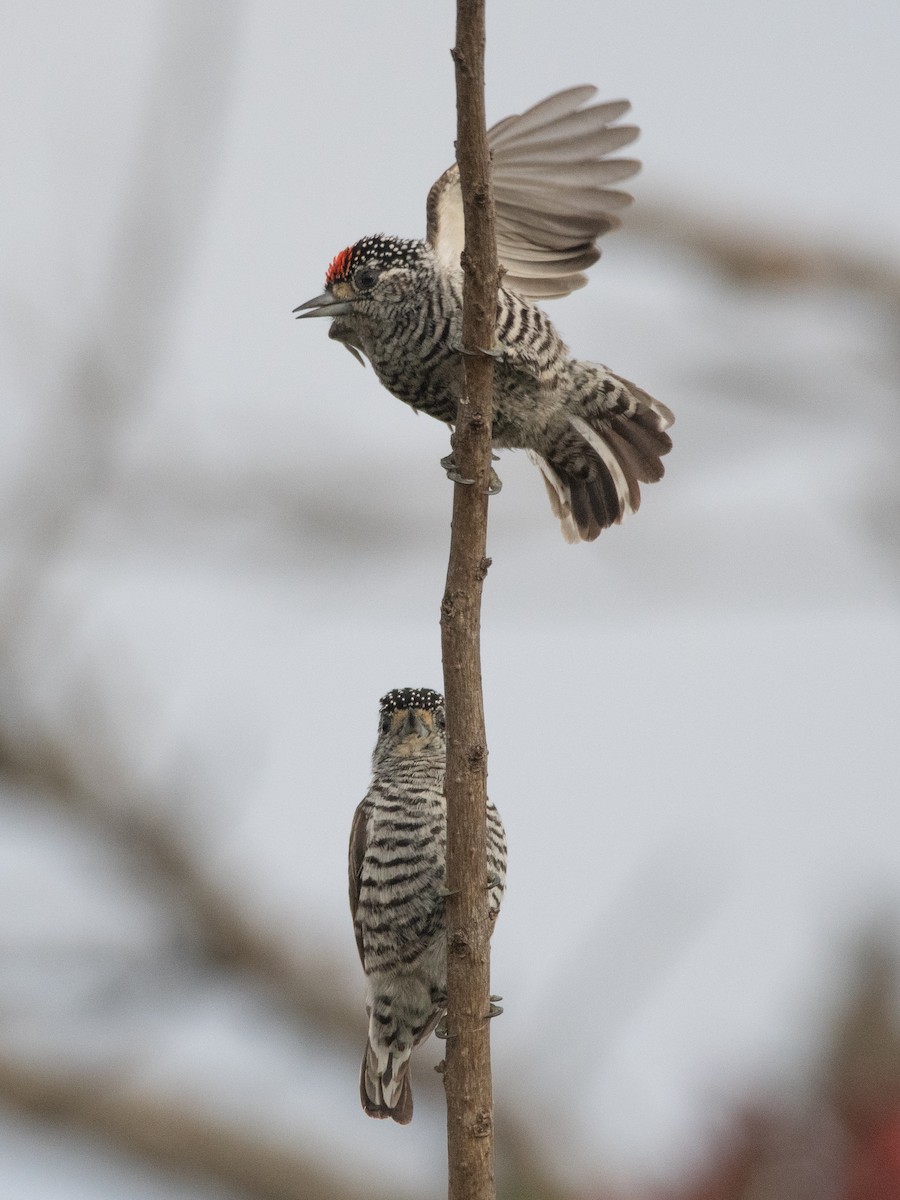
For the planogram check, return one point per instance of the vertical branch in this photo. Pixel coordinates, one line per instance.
(467, 1076)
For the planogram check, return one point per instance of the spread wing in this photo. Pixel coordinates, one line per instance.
(551, 179)
(358, 834)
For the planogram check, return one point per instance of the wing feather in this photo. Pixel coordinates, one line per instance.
(358, 838)
(576, 127)
(569, 150)
(538, 228)
(551, 182)
(541, 231)
(542, 114)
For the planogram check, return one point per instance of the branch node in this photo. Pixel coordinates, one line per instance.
(477, 754)
(458, 943)
(482, 1125)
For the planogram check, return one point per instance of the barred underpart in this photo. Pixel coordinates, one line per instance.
(397, 886)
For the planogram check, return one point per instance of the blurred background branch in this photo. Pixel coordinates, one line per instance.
(747, 253)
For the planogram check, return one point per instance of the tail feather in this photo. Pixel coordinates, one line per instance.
(613, 441)
(582, 510)
(384, 1086)
(603, 498)
(640, 450)
(558, 493)
(648, 406)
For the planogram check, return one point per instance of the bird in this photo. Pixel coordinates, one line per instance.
(397, 302)
(397, 893)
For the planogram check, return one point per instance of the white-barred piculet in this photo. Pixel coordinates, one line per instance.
(594, 435)
(398, 891)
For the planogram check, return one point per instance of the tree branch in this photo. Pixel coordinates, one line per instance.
(748, 253)
(177, 1133)
(467, 1075)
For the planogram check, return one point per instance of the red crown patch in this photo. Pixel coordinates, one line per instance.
(340, 267)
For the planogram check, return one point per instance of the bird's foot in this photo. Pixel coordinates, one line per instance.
(440, 1030)
(493, 881)
(495, 483)
(494, 352)
(449, 465)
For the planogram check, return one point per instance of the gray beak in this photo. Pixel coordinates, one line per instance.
(413, 725)
(325, 305)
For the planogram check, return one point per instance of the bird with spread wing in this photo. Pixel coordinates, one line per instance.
(594, 435)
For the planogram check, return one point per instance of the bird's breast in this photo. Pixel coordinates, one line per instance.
(415, 360)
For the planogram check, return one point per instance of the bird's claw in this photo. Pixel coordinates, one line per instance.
(494, 352)
(449, 464)
(440, 1030)
(493, 881)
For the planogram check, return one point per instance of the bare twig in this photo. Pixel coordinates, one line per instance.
(467, 1077)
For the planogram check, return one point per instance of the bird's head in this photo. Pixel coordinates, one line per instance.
(375, 271)
(411, 722)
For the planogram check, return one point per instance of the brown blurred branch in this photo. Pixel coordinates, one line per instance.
(467, 1077)
(170, 1131)
(104, 376)
(228, 932)
(765, 257)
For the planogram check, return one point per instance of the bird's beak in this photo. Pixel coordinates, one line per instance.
(413, 725)
(325, 305)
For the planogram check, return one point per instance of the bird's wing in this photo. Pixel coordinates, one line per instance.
(551, 178)
(358, 835)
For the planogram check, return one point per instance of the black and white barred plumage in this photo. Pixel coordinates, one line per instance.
(594, 435)
(397, 884)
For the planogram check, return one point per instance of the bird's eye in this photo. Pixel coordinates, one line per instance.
(386, 723)
(365, 279)
(440, 721)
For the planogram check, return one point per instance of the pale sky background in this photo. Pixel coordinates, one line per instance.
(222, 542)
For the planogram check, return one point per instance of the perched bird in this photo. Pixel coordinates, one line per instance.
(594, 435)
(397, 893)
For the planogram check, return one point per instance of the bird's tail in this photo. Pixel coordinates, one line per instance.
(384, 1086)
(610, 437)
